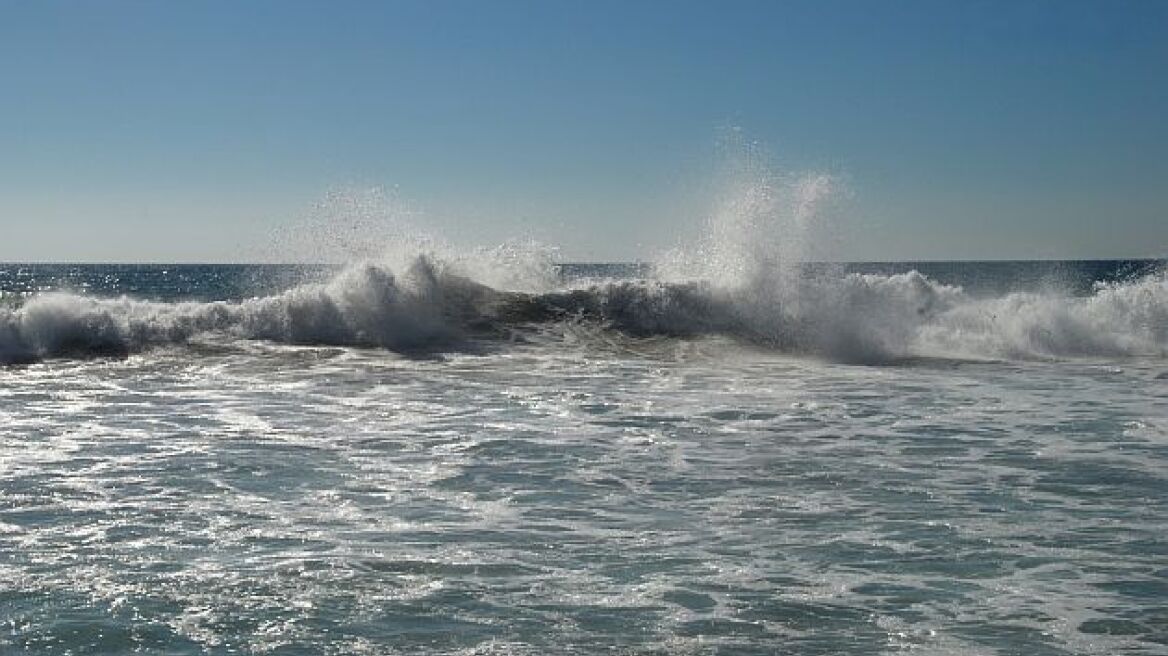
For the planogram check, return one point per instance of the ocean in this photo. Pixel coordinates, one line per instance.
(437, 456)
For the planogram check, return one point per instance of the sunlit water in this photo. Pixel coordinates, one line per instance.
(577, 489)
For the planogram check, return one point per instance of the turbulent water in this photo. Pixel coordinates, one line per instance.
(411, 458)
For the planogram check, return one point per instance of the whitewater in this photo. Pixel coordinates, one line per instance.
(852, 317)
(735, 449)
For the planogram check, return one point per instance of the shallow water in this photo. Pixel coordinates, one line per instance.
(571, 488)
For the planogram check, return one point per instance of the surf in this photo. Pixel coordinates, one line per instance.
(433, 306)
(758, 271)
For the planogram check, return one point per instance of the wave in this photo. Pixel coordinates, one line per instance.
(871, 318)
(428, 307)
(744, 276)
(366, 305)
(1119, 319)
(857, 318)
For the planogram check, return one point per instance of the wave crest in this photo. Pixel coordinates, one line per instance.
(1121, 319)
(860, 318)
(365, 305)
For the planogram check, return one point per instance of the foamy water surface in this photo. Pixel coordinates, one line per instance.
(638, 467)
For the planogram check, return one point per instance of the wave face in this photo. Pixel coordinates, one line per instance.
(430, 306)
(857, 317)
(870, 318)
(365, 305)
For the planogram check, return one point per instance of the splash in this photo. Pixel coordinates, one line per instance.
(764, 227)
(354, 224)
(759, 271)
(756, 274)
(764, 252)
(432, 306)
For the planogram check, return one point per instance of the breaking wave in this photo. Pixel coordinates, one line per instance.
(745, 276)
(366, 305)
(1118, 319)
(868, 318)
(862, 318)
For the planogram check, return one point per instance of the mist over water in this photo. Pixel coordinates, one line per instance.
(738, 448)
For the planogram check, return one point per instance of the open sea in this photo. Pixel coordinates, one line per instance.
(425, 457)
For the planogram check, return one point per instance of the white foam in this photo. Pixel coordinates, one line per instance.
(365, 304)
(758, 261)
(1118, 319)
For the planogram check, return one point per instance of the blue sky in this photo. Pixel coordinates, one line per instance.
(165, 131)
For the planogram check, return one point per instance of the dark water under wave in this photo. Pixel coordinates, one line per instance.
(260, 460)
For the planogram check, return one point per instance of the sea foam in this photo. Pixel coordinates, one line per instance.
(429, 306)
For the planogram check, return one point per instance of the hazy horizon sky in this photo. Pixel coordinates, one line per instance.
(207, 131)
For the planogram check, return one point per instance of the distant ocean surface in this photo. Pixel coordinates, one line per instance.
(433, 457)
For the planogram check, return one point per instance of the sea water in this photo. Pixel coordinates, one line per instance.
(735, 448)
(386, 458)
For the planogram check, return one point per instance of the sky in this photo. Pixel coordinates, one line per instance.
(208, 131)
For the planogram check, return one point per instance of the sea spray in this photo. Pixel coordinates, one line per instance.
(762, 252)
(352, 225)
(760, 262)
(763, 225)
(755, 275)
